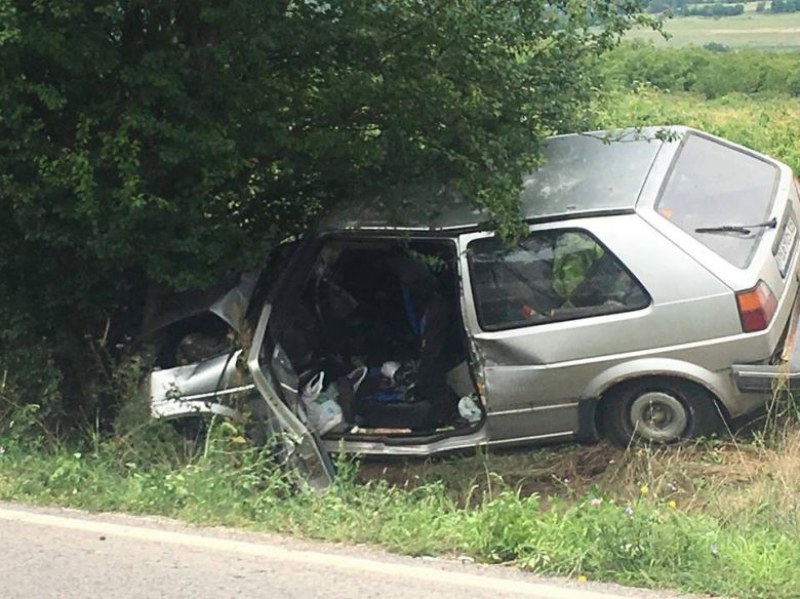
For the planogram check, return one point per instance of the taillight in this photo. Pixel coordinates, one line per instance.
(756, 307)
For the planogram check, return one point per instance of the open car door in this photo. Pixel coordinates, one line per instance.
(278, 386)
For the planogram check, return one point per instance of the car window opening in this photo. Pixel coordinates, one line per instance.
(548, 277)
(375, 328)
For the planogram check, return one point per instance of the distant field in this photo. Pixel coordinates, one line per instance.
(750, 30)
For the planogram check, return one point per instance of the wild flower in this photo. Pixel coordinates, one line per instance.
(644, 489)
(628, 511)
(672, 504)
(595, 501)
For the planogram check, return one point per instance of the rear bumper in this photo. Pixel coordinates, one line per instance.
(764, 378)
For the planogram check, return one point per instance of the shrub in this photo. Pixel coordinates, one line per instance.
(713, 70)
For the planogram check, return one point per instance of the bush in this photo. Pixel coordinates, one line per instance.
(638, 62)
(781, 6)
(714, 10)
(28, 373)
(713, 70)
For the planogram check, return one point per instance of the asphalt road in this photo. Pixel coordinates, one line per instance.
(69, 554)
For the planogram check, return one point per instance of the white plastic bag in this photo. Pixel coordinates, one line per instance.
(469, 410)
(357, 376)
(324, 413)
(389, 369)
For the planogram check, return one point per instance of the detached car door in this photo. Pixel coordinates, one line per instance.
(277, 383)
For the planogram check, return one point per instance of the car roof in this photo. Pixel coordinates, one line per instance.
(581, 174)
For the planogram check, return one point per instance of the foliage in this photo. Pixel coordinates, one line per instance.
(697, 8)
(714, 10)
(716, 47)
(28, 375)
(785, 6)
(708, 71)
(151, 146)
(163, 141)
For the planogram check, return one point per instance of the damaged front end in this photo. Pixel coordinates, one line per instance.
(198, 368)
(201, 369)
(214, 386)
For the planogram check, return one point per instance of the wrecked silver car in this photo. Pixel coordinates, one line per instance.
(654, 298)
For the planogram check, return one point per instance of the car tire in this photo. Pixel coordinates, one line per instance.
(658, 410)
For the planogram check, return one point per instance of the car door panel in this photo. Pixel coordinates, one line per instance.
(275, 380)
(536, 375)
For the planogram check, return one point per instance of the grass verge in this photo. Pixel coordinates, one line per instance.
(717, 518)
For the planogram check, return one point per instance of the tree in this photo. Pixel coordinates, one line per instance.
(714, 10)
(785, 6)
(161, 142)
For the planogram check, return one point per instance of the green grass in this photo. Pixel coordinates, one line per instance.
(718, 518)
(750, 30)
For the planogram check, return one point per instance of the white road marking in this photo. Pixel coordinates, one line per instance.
(283, 554)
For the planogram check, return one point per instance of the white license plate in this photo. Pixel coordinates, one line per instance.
(786, 247)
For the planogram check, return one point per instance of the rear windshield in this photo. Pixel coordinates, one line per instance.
(713, 185)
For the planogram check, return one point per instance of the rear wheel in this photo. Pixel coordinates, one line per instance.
(658, 410)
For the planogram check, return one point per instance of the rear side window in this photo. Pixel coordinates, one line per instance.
(548, 277)
(713, 185)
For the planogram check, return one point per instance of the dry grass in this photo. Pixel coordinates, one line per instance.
(721, 478)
